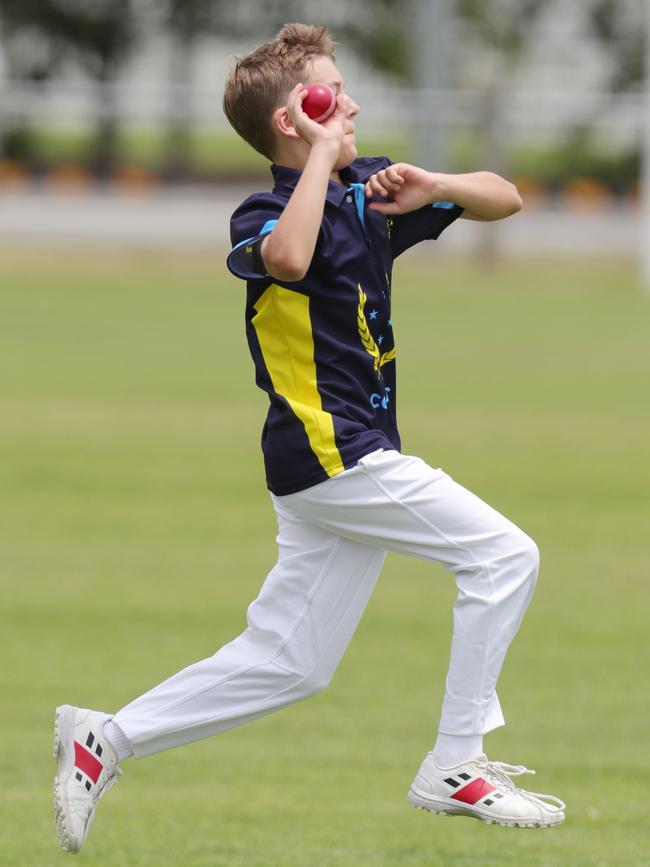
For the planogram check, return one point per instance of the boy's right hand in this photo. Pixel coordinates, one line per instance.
(330, 132)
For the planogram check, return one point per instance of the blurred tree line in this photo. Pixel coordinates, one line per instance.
(99, 37)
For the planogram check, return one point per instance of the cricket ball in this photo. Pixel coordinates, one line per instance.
(319, 103)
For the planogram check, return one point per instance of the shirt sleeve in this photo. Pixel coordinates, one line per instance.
(249, 225)
(426, 223)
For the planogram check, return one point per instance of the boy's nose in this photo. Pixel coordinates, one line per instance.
(351, 108)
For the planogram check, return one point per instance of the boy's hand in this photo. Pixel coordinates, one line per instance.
(481, 195)
(407, 187)
(330, 131)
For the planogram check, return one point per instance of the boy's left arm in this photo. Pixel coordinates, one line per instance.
(482, 195)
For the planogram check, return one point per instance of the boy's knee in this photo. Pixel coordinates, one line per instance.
(532, 555)
(526, 552)
(314, 682)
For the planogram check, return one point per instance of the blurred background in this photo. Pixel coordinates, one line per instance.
(105, 99)
(135, 527)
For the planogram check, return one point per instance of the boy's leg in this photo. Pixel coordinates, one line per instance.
(298, 628)
(400, 503)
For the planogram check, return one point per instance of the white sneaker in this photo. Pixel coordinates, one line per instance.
(87, 768)
(483, 790)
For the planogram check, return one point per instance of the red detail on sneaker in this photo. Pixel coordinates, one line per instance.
(474, 791)
(86, 762)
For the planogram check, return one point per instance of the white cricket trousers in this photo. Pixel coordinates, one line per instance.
(332, 542)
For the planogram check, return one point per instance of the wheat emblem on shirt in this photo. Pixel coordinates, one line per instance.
(368, 341)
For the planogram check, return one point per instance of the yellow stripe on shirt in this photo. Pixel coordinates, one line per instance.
(283, 327)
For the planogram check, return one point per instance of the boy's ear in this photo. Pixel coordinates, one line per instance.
(282, 123)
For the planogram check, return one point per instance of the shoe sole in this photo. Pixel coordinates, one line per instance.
(63, 726)
(442, 808)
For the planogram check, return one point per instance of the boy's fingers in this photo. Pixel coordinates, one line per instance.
(384, 183)
(297, 96)
(392, 178)
(377, 187)
(394, 175)
(388, 182)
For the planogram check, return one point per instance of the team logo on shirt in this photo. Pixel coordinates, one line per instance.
(382, 400)
(369, 343)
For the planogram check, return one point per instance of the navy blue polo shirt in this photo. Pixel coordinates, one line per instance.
(323, 346)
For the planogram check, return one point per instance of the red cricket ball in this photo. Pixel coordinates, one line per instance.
(319, 103)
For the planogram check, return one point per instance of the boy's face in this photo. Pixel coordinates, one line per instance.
(322, 70)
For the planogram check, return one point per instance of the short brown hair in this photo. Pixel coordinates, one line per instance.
(260, 82)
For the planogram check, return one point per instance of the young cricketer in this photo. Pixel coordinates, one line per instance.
(317, 254)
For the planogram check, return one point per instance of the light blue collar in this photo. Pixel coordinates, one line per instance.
(359, 191)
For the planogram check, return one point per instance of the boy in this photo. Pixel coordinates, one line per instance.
(317, 256)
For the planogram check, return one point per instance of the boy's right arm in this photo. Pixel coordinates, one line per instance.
(287, 251)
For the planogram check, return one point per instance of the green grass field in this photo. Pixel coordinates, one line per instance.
(135, 528)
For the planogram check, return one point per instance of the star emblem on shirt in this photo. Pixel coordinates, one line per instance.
(374, 314)
(380, 339)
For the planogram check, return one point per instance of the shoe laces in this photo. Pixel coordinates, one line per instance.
(500, 773)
